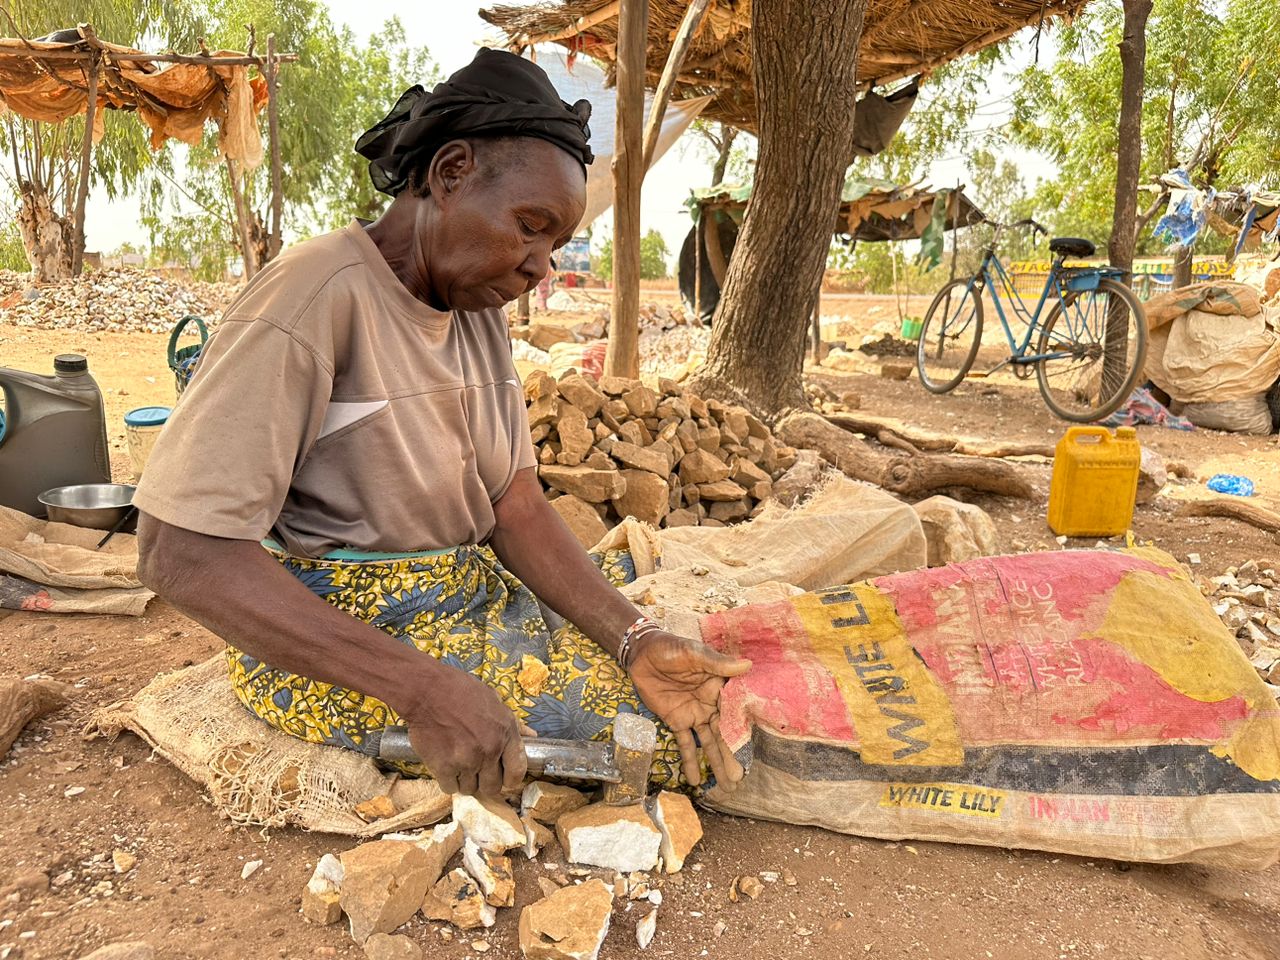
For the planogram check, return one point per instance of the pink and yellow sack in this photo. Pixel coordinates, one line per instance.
(1082, 702)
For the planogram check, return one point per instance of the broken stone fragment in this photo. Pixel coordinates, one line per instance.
(376, 808)
(681, 828)
(321, 895)
(548, 886)
(647, 497)
(655, 461)
(490, 824)
(616, 838)
(383, 946)
(383, 883)
(750, 886)
(548, 802)
(955, 531)
(582, 393)
(123, 861)
(492, 873)
(128, 950)
(646, 927)
(581, 518)
(570, 924)
(457, 899)
(593, 486)
(536, 836)
(440, 843)
(576, 437)
(721, 490)
(700, 466)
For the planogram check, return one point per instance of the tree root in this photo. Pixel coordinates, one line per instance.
(915, 440)
(912, 476)
(1258, 517)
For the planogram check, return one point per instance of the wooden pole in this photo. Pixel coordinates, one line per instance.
(675, 59)
(113, 56)
(622, 356)
(697, 270)
(522, 308)
(275, 240)
(86, 160)
(242, 222)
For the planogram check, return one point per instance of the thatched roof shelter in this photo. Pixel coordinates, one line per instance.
(901, 38)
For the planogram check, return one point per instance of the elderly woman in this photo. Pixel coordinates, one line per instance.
(347, 492)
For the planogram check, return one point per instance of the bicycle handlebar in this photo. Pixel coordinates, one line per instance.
(1028, 222)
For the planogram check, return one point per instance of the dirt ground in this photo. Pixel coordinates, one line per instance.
(60, 897)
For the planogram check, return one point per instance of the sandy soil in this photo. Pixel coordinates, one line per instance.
(854, 897)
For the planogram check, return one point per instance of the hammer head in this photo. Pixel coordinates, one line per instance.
(635, 738)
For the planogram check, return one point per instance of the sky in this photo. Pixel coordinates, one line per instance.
(452, 32)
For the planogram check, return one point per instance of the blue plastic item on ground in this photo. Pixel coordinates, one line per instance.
(1231, 483)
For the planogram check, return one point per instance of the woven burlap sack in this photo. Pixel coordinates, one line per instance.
(255, 775)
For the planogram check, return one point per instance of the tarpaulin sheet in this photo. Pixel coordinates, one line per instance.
(174, 100)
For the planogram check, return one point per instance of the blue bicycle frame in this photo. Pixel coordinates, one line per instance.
(1061, 280)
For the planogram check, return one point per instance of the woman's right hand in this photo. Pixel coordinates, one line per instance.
(466, 736)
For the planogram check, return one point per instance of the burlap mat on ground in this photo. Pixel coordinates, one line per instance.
(59, 555)
(255, 775)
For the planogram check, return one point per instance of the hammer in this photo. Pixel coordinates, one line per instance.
(621, 764)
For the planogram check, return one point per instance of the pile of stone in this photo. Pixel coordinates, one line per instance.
(675, 352)
(1247, 598)
(461, 873)
(114, 299)
(617, 448)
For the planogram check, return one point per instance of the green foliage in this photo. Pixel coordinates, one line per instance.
(13, 255)
(1210, 79)
(653, 256)
(602, 260)
(888, 267)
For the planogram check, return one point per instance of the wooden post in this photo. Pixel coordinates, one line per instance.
(275, 239)
(675, 59)
(522, 308)
(242, 221)
(86, 161)
(697, 268)
(622, 356)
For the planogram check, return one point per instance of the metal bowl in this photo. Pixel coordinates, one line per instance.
(99, 506)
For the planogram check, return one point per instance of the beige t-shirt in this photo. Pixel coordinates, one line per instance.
(334, 409)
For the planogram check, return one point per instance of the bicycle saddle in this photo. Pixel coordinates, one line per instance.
(1072, 246)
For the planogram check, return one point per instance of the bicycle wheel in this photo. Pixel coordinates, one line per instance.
(1096, 342)
(950, 336)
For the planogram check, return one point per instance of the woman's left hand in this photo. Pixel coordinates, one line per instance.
(680, 680)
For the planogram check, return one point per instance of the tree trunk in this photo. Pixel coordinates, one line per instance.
(47, 237)
(807, 93)
(1124, 237)
(1133, 61)
(727, 135)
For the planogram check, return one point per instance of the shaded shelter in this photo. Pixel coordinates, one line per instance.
(901, 38)
(870, 210)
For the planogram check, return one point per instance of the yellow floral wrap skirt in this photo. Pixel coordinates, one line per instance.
(462, 607)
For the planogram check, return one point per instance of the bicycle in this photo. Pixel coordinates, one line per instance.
(1091, 347)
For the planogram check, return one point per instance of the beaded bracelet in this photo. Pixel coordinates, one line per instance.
(639, 628)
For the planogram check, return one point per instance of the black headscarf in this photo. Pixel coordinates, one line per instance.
(498, 94)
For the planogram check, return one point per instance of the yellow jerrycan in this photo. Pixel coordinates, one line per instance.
(1095, 482)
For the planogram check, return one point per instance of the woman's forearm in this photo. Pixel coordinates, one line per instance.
(535, 544)
(239, 592)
